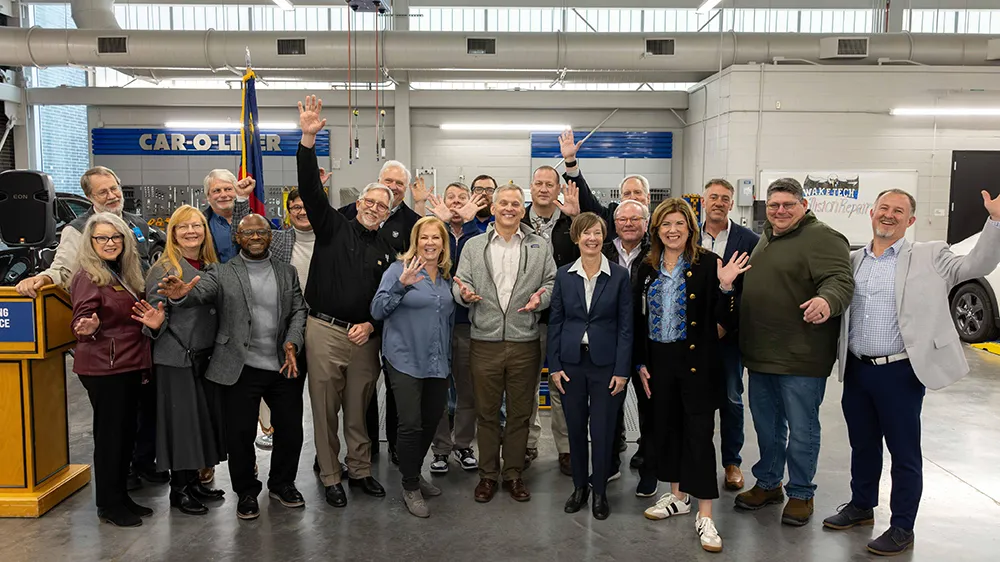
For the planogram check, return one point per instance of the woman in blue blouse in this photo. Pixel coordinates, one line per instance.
(684, 302)
(414, 303)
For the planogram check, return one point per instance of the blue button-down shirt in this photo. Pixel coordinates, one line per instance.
(667, 302)
(222, 235)
(417, 323)
(874, 329)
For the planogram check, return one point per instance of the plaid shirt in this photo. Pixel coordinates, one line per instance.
(282, 241)
(874, 329)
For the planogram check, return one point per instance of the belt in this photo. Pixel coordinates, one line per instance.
(330, 319)
(885, 360)
(584, 348)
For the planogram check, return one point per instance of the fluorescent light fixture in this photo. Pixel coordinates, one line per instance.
(284, 5)
(947, 111)
(705, 7)
(230, 125)
(503, 127)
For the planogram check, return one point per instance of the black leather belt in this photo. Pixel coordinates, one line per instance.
(584, 348)
(330, 319)
(884, 360)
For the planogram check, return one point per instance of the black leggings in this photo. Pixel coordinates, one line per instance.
(420, 404)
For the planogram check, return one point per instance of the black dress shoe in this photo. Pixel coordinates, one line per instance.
(132, 481)
(577, 500)
(637, 461)
(316, 465)
(368, 485)
(119, 516)
(204, 493)
(140, 510)
(600, 507)
(288, 496)
(185, 501)
(393, 457)
(336, 496)
(248, 508)
(149, 474)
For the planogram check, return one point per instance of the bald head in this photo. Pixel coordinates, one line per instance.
(252, 222)
(254, 236)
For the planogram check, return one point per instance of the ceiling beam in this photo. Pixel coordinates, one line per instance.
(775, 4)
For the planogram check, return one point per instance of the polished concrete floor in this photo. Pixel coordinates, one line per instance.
(959, 517)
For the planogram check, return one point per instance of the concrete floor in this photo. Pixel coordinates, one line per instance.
(958, 518)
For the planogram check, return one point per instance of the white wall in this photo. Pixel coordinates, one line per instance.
(838, 118)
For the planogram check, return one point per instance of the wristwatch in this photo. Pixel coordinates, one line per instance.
(570, 163)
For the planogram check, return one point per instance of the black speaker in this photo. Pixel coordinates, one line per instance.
(27, 208)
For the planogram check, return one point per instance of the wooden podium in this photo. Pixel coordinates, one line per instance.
(35, 473)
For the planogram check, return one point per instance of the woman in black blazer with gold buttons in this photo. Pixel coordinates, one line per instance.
(684, 302)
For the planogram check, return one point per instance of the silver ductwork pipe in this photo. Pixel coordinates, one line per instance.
(526, 53)
(94, 14)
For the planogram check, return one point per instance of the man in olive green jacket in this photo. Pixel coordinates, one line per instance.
(801, 278)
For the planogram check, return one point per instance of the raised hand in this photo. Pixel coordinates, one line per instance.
(738, 264)
(359, 333)
(992, 205)
(411, 272)
(309, 116)
(533, 301)
(477, 203)
(557, 379)
(617, 385)
(324, 176)
(440, 209)
(173, 288)
(571, 204)
(567, 147)
(817, 310)
(245, 187)
(87, 325)
(148, 315)
(468, 295)
(291, 363)
(644, 378)
(420, 190)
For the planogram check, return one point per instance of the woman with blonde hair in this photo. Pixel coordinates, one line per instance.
(189, 430)
(112, 355)
(415, 305)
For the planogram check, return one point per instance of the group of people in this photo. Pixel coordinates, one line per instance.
(236, 319)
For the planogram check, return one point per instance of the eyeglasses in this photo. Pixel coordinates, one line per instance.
(197, 226)
(103, 240)
(104, 193)
(261, 232)
(388, 182)
(482, 190)
(629, 220)
(296, 208)
(788, 206)
(373, 204)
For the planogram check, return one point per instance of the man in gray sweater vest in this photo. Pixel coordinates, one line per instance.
(505, 279)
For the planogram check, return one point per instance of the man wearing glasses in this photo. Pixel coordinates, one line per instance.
(484, 185)
(801, 277)
(342, 339)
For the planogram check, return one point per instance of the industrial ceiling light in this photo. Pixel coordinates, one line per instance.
(230, 125)
(284, 5)
(504, 127)
(707, 6)
(947, 111)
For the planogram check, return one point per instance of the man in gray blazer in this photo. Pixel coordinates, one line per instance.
(897, 339)
(262, 318)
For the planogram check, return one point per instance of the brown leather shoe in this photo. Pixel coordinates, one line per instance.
(797, 512)
(486, 490)
(517, 489)
(757, 497)
(564, 464)
(529, 455)
(206, 475)
(734, 477)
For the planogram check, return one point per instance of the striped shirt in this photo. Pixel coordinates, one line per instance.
(874, 329)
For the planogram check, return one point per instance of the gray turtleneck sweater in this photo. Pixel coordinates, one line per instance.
(263, 315)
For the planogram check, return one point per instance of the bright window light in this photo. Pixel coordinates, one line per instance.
(232, 125)
(705, 7)
(947, 111)
(284, 5)
(503, 127)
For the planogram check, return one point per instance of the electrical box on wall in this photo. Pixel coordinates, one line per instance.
(744, 193)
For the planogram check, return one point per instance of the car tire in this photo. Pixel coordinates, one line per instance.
(155, 253)
(973, 311)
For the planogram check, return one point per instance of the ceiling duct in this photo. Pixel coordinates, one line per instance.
(993, 50)
(843, 48)
(659, 47)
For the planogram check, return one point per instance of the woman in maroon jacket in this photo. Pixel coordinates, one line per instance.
(112, 355)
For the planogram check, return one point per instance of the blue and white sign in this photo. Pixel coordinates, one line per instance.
(608, 144)
(17, 322)
(187, 142)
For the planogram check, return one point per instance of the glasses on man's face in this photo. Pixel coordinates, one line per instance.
(105, 193)
(788, 206)
(192, 227)
(260, 232)
(389, 182)
(629, 220)
(484, 190)
(377, 205)
(103, 240)
(296, 209)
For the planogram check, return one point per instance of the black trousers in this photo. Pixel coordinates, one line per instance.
(391, 415)
(242, 407)
(180, 479)
(588, 398)
(421, 406)
(144, 455)
(115, 400)
(682, 449)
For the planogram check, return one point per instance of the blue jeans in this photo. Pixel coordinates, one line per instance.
(731, 413)
(785, 410)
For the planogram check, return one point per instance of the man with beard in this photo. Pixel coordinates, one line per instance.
(896, 340)
(342, 339)
(484, 185)
(725, 238)
(221, 192)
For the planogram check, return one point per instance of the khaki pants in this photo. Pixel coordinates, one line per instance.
(341, 375)
(498, 368)
(559, 431)
(264, 418)
(465, 401)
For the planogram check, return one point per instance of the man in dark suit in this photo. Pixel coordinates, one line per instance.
(724, 237)
(262, 319)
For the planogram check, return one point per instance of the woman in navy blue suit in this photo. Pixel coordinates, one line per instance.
(589, 353)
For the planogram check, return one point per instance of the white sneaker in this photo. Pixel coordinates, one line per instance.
(428, 489)
(615, 476)
(265, 441)
(710, 539)
(440, 464)
(668, 505)
(467, 459)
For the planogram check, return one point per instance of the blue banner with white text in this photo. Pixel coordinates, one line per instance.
(188, 142)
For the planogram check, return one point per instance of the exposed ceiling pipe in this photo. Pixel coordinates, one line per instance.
(100, 14)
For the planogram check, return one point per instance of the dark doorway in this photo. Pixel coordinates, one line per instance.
(971, 172)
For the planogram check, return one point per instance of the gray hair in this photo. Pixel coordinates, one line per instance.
(642, 180)
(376, 185)
(897, 191)
(721, 183)
(88, 261)
(390, 164)
(220, 174)
(508, 187)
(85, 181)
(459, 185)
(786, 185)
(643, 208)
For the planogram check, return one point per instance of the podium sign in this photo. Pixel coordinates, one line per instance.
(35, 472)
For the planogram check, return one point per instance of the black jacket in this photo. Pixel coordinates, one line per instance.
(611, 252)
(564, 251)
(743, 240)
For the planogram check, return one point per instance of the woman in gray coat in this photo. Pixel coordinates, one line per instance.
(190, 434)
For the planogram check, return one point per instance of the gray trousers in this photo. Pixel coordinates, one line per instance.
(465, 403)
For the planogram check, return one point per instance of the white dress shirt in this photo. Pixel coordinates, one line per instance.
(505, 257)
(589, 283)
(625, 259)
(716, 244)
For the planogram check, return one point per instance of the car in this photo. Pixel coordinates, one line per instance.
(20, 263)
(974, 306)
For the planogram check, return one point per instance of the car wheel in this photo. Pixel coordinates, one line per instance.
(154, 254)
(973, 313)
